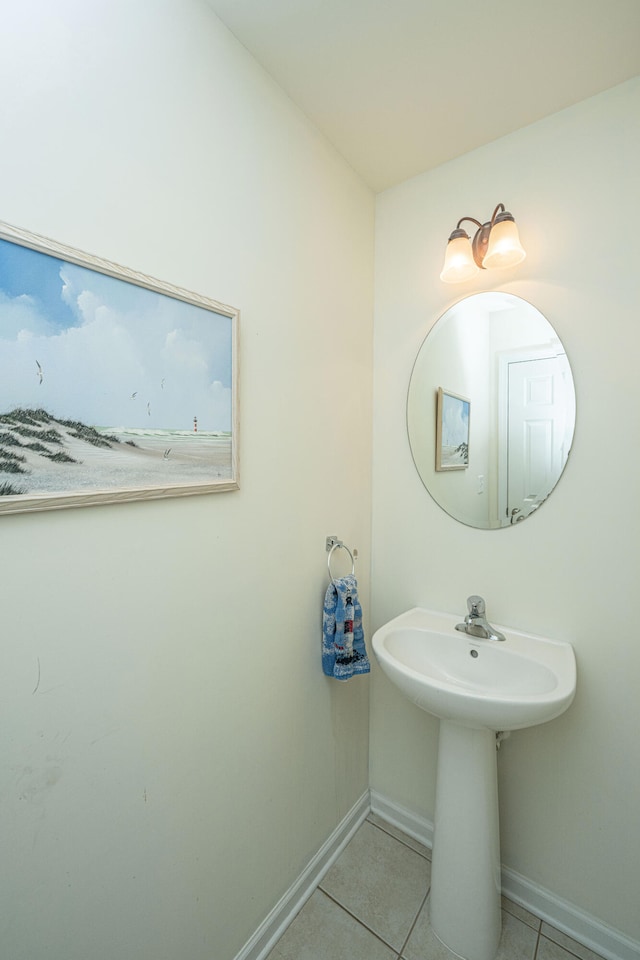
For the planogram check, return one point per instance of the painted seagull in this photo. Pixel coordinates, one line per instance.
(166, 454)
(133, 395)
(40, 373)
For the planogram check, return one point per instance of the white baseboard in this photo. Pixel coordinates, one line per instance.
(274, 925)
(410, 823)
(561, 914)
(566, 917)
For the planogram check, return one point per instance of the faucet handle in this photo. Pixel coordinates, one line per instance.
(476, 606)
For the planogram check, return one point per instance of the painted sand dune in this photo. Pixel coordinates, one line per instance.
(42, 455)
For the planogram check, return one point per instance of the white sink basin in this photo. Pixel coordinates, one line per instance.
(498, 685)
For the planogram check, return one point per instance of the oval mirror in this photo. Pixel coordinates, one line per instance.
(491, 410)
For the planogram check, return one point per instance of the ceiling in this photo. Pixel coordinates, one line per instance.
(400, 86)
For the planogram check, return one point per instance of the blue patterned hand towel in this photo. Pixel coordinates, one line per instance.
(343, 650)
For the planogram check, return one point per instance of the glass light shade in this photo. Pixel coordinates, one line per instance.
(504, 249)
(459, 264)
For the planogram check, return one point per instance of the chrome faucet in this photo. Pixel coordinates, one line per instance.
(475, 622)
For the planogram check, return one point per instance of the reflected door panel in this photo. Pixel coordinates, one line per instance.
(536, 432)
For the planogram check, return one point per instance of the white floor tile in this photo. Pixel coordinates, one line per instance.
(572, 947)
(324, 931)
(374, 893)
(399, 835)
(381, 882)
(518, 941)
(517, 911)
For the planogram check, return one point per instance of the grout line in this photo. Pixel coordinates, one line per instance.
(535, 952)
(404, 843)
(358, 920)
(415, 920)
(506, 902)
(564, 947)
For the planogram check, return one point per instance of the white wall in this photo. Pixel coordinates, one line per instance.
(183, 756)
(569, 789)
(462, 371)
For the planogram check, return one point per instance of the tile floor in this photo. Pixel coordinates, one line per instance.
(373, 904)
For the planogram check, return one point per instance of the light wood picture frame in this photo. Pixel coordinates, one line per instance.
(452, 431)
(114, 386)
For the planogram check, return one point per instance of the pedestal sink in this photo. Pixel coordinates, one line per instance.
(477, 688)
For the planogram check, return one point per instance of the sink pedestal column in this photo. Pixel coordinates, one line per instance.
(465, 876)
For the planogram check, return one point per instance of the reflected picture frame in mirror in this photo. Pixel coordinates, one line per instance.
(452, 431)
(498, 353)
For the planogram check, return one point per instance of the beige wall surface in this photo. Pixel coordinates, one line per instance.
(570, 817)
(183, 756)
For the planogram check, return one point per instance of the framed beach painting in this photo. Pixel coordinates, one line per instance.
(113, 386)
(452, 431)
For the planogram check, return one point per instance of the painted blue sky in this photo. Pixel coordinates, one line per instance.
(111, 354)
(455, 421)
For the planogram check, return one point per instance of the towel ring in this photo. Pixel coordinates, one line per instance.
(344, 547)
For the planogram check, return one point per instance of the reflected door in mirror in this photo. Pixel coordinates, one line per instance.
(536, 434)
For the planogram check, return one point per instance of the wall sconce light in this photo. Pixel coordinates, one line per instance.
(495, 244)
